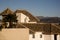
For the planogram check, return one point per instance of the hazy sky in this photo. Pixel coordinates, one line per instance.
(36, 7)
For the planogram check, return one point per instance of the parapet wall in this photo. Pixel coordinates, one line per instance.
(14, 34)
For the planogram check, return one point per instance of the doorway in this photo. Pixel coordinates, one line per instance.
(55, 36)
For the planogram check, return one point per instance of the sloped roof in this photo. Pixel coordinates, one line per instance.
(27, 14)
(37, 27)
(6, 11)
(45, 28)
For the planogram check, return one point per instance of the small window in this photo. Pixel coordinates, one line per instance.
(33, 36)
(40, 36)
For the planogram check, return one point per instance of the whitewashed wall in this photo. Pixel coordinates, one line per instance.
(23, 18)
(31, 37)
(52, 37)
(37, 36)
(18, 17)
(44, 36)
(48, 37)
(14, 34)
(58, 37)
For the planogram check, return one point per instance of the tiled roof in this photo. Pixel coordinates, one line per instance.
(45, 28)
(36, 27)
(27, 14)
(6, 11)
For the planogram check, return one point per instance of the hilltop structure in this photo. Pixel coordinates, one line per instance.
(24, 19)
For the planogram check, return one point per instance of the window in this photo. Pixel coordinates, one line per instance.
(33, 36)
(40, 36)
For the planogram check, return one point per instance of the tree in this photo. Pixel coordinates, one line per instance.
(10, 18)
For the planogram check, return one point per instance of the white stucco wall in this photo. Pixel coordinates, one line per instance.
(31, 37)
(58, 37)
(44, 36)
(18, 17)
(48, 37)
(52, 37)
(14, 34)
(37, 36)
(23, 18)
(32, 22)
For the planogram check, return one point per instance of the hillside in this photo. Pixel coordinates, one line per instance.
(49, 19)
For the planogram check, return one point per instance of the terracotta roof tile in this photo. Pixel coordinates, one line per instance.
(6, 11)
(45, 28)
